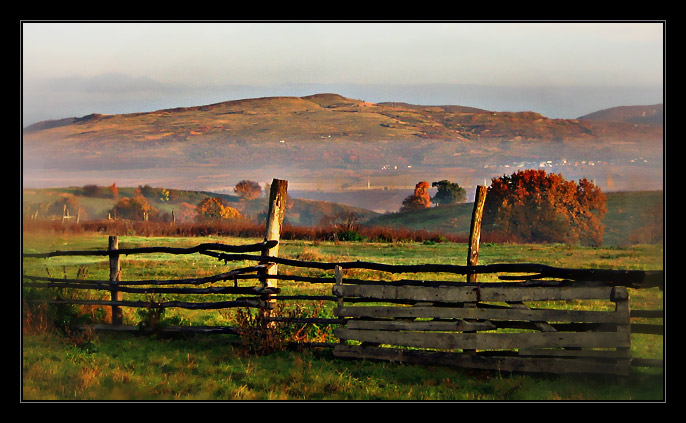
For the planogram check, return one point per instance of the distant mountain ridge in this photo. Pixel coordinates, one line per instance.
(326, 142)
(327, 115)
(651, 115)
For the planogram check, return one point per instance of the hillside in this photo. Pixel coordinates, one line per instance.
(327, 142)
(650, 115)
(323, 116)
(627, 213)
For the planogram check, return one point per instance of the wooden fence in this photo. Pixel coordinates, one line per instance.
(536, 318)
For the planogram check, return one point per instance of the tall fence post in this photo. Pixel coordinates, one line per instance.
(115, 277)
(276, 212)
(475, 230)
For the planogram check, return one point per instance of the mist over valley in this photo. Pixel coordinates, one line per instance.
(339, 149)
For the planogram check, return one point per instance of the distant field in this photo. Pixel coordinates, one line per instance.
(628, 212)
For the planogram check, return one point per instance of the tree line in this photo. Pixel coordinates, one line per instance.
(526, 206)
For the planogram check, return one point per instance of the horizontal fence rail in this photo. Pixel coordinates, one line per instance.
(633, 278)
(168, 250)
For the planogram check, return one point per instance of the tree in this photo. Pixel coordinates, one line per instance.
(448, 193)
(135, 208)
(215, 209)
(185, 212)
(67, 203)
(91, 190)
(114, 190)
(419, 200)
(248, 190)
(533, 206)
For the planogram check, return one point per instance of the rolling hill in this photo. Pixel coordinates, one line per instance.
(651, 115)
(327, 142)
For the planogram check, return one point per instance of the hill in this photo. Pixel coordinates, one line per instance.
(326, 116)
(650, 115)
(328, 142)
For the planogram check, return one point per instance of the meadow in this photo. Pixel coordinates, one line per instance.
(137, 367)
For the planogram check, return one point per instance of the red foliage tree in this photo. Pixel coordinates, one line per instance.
(532, 206)
(248, 190)
(419, 200)
(114, 190)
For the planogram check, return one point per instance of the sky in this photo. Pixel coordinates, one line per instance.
(559, 69)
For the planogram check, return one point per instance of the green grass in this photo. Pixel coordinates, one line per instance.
(110, 366)
(208, 368)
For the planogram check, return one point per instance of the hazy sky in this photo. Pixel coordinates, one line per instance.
(558, 69)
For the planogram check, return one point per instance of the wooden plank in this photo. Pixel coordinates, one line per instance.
(475, 361)
(472, 293)
(573, 353)
(394, 325)
(535, 315)
(541, 325)
(485, 341)
(543, 294)
(415, 293)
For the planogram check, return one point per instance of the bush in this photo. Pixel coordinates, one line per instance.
(348, 235)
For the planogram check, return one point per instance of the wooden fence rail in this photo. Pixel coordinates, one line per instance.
(506, 325)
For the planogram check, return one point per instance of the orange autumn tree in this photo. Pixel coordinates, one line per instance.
(134, 208)
(532, 206)
(419, 200)
(214, 209)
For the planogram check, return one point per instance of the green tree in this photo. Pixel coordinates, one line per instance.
(448, 193)
(91, 190)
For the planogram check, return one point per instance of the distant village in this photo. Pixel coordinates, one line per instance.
(534, 164)
(563, 163)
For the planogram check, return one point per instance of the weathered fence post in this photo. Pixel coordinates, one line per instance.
(115, 277)
(475, 229)
(276, 212)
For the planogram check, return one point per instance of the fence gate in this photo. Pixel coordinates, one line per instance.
(504, 326)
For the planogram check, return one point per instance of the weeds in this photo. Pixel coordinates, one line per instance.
(277, 330)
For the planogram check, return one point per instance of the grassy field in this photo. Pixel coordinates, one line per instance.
(132, 367)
